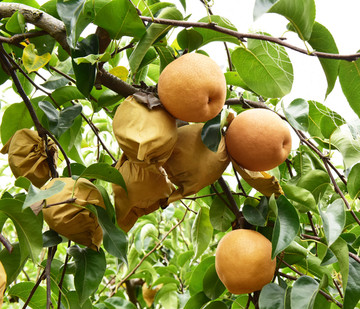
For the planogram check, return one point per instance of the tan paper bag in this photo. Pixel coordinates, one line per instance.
(192, 166)
(27, 156)
(3, 279)
(147, 138)
(72, 219)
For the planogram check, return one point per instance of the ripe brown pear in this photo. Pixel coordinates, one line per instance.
(192, 88)
(243, 261)
(258, 140)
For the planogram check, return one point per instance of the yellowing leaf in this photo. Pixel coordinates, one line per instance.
(32, 61)
(120, 72)
(261, 181)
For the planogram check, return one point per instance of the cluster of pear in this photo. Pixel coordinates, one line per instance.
(193, 88)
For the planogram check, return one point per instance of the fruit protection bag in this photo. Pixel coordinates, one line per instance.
(192, 166)
(3, 279)
(27, 156)
(147, 138)
(72, 219)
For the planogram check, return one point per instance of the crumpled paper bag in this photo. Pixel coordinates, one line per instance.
(3, 279)
(147, 138)
(147, 188)
(192, 166)
(72, 219)
(261, 181)
(27, 156)
(144, 135)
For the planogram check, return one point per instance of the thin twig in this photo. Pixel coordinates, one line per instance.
(6, 243)
(63, 276)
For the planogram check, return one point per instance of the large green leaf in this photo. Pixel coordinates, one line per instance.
(315, 181)
(321, 40)
(37, 195)
(104, 172)
(15, 117)
(349, 147)
(153, 33)
(267, 62)
(196, 301)
(303, 199)
(256, 214)
(166, 55)
(341, 251)
(333, 220)
(60, 122)
(23, 290)
(300, 13)
(352, 292)
(213, 287)
(72, 14)
(85, 72)
(353, 184)
(16, 23)
(66, 94)
(297, 113)
(167, 296)
(304, 292)
(216, 304)
(120, 18)
(209, 35)
(197, 276)
(118, 302)
(28, 227)
(189, 39)
(286, 226)
(90, 269)
(349, 76)
(114, 239)
(220, 215)
(201, 232)
(272, 296)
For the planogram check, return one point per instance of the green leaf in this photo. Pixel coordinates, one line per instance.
(196, 279)
(303, 199)
(272, 296)
(321, 40)
(32, 61)
(72, 14)
(51, 238)
(166, 54)
(23, 290)
(333, 220)
(28, 227)
(201, 232)
(220, 215)
(341, 251)
(301, 15)
(315, 181)
(267, 62)
(116, 302)
(352, 292)
(66, 94)
(167, 296)
(353, 184)
(15, 117)
(104, 172)
(36, 195)
(216, 304)
(348, 147)
(85, 73)
(189, 39)
(241, 302)
(120, 18)
(73, 300)
(286, 226)
(297, 113)
(233, 78)
(349, 76)
(304, 292)
(60, 122)
(211, 133)
(261, 7)
(209, 35)
(153, 33)
(13, 262)
(256, 214)
(213, 287)
(16, 23)
(196, 301)
(114, 239)
(90, 269)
